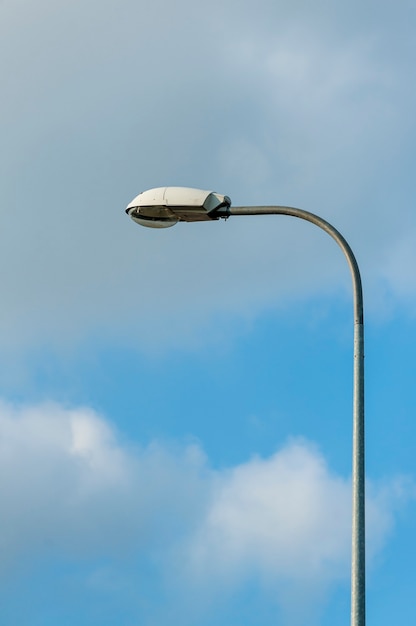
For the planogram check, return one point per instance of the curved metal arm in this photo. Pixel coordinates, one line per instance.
(358, 467)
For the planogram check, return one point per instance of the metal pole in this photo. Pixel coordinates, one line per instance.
(358, 467)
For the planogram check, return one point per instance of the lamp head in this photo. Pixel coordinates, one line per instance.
(166, 206)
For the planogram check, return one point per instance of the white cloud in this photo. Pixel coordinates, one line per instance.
(70, 489)
(67, 486)
(287, 520)
(286, 517)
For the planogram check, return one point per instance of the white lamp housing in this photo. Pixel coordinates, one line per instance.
(166, 206)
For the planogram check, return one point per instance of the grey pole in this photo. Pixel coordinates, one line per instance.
(358, 467)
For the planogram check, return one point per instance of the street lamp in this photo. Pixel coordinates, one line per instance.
(166, 206)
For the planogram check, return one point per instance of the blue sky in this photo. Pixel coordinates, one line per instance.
(175, 405)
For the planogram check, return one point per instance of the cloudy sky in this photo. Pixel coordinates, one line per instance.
(175, 405)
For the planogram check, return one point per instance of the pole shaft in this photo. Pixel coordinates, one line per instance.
(358, 453)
